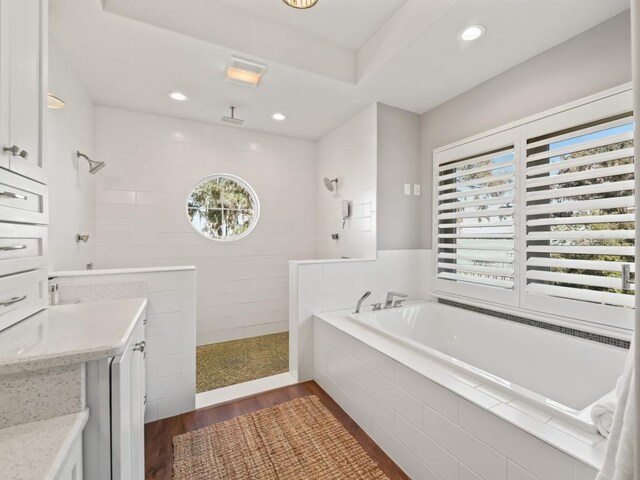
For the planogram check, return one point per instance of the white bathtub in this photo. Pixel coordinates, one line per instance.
(559, 374)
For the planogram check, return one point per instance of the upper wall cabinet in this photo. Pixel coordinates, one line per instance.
(23, 40)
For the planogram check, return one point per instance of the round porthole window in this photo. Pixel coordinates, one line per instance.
(223, 207)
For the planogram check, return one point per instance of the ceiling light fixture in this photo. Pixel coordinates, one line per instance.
(279, 116)
(472, 32)
(54, 102)
(300, 4)
(178, 96)
(245, 72)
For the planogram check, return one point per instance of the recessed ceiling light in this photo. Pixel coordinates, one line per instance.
(179, 96)
(472, 32)
(279, 116)
(245, 72)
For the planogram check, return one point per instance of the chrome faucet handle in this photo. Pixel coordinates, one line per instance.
(398, 303)
(376, 306)
(390, 296)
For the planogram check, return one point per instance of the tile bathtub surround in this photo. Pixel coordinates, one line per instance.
(41, 394)
(432, 432)
(170, 329)
(617, 342)
(326, 285)
(152, 161)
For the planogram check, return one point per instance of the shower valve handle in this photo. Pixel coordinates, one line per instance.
(16, 151)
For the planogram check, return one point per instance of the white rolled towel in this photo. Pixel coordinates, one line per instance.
(602, 413)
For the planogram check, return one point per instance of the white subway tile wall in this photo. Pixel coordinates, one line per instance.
(348, 153)
(152, 161)
(170, 330)
(322, 286)
(71, 186)
(449, 438)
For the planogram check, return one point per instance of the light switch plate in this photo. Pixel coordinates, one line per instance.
(407, 189)
(416, 189)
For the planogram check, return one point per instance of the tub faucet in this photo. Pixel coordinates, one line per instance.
(389, 303)
(362, 299)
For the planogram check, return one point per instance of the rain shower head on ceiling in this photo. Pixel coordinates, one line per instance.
(94, 165)
(331, 184)
(232, 118)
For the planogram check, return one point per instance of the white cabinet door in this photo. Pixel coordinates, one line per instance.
(72, 468)
(127, 404)
(24, 45)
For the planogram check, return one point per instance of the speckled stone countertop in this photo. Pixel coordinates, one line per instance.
(37, 450)
(69, 334)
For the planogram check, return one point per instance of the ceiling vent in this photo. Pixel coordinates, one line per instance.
(245, 72)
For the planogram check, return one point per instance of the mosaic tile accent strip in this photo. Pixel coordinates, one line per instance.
(594, 337)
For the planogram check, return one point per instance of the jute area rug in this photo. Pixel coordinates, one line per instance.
(299, 439)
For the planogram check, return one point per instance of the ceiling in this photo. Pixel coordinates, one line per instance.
(334, 21)
(323, 65)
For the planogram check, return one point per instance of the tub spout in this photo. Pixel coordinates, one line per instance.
(362, 299)
(390, 296)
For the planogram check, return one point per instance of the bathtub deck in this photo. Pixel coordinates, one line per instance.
(158, 435)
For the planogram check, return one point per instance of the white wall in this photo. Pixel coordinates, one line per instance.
(152, 161)
(598, 59)
(348, 153)
(71, 186)
(170, 330)
(398, 160)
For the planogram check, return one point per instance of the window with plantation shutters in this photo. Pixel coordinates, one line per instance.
(475, 216)
(538, 218)
(580, 211)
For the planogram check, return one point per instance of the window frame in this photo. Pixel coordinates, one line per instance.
(238, 180)
(560, 311)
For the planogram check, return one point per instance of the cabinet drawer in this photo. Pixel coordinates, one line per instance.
(22, 295)
(22, 247)
(22, 200)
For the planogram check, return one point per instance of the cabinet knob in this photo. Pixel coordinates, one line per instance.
(16, 151)
(139, 347)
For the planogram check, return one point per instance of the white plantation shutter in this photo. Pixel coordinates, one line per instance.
(579, 216)
(475, 237)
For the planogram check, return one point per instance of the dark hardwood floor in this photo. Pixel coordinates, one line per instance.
(158, 435)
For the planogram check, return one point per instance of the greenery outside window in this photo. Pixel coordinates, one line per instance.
(222, 207)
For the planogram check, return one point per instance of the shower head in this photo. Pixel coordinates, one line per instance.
(330, 183)
(94, 165)
(232, 118)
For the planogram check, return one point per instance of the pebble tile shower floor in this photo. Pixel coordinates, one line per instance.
(228, 363)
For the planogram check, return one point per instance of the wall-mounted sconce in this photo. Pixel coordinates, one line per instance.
(54, 102)
(84, 238)
(94, 165)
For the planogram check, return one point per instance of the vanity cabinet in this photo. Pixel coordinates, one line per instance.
(114, 435)
(72, 468)
(23, 190)
(23, 72)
